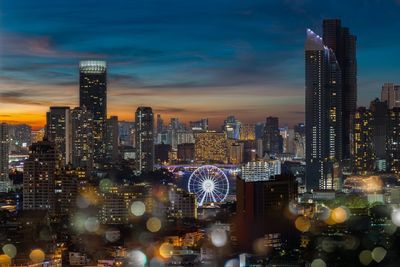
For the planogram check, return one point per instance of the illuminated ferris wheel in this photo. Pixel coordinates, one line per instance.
(209, 184)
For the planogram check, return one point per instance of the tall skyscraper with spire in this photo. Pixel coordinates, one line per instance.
(323, 113)
(343, 44)
(93, 96)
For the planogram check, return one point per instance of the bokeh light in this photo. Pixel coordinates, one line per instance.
(302, 224)
(232, 263)
(105, 184)
(156, 262)
(339, 214)
(318, 263)
(37, 256)
(396, 217)
(153, 224)
(10, 250)
(378, 254)
(166, 250)
(112, 235)
(261, 247)
(137, 258)
(219, 237)
(138, 208)
(5, 260)
(365, 257)
(92, 224)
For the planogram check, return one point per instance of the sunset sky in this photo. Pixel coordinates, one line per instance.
(185, 58)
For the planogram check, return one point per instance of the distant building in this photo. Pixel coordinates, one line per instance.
(363, 155)
(82, 138)
(38, 135)
(299, 141)
(20, 136)
(261, 170)
(232, 127)
(93, 96)
(391, 94)
(247, 132)
(144, 138)
(235, 152)
(272, 138)
(58, 131)
(39, 176)
(182, 203)
(393, 140)
(186, 152)
(112, 139)
(161, 153)
(126, 131)
(379, 111)
(210, 146)
(200, 125)
(4, 158)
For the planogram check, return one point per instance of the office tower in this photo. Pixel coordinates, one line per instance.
(299, 141)
(145, 138)
(391, 94)
(343, 44)
(232, 127)
(272, 138)
(112, 139)
(393, 140)
(58, 131)
(38, 135)
(186, 152)
(160, 124)
(82, 138)
(126, 131)
(250, 152)
(20, 136)
(379, 111)
(39, 175)
(323, 113)
(93, 96)
(259, 130)
(201, 125)
(4, 158)
(235, 152)
(363, 156)
(260, 170)
(262, 204)
(66, 191)
(210, 146)
(287, 139)
(247, 132)
(182, 203)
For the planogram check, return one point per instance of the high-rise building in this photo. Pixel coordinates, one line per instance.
(145, 138)
(38, 135)
(39, 175)
(183, 204)
(58, 131)
(232, 127)
(391, 94)
(160, 124)
(247, 132)
(363, 156)
(272, 138)
(393, 140)
(235, 152)
(343, 44)
(112, 139)
(261, 170)
(201, 125)
(93, 96)
(20, 136)
(186, 152)
(210, 146)
(323, 113)
(82, 138)
(4, 157)
(126, 131)
(379, 111)
(300, 141)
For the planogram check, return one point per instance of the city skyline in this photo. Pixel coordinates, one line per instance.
(243, 59)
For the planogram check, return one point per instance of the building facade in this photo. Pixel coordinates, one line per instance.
(144, 138)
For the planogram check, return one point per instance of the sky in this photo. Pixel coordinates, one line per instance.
(185, 58)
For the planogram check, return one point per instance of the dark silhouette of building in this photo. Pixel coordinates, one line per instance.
(343, 44)
(363, 156)
(380, 123)
(112, 139)
(82, 138)
(144, 138)
(272, 140)
(393, 140)
(186, 152)
(161, 152)
(93, 96)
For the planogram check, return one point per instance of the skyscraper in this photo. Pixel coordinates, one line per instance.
(363, 155)
(323, 106)
(93, 96)
(210, 146)
(4, 156)
(82, 138)
(393, 140)
(272, 139)
(39, 175)
(144, 138)
(391, 94)
(58, 131)
(112, 139)
(343, 44)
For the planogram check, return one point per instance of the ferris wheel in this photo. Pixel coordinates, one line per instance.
(209, 184)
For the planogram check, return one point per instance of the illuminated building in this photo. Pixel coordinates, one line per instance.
(20, 136)
(323, 113)
(260, 170)
(235, 152)
(343, 44)
(272, 138)
(363, 155)
(393, 140)
(58, 131)
(4, 158)
(112, 139)
(182, 203)
(116, 201)
(66, 190)
(39, 175)
(391, 94)
(247, 132)
(210, 146)
(38, 135)
(200, 125)
(82, 138)
(299, 141)
(93, 96)
(186, 152)
(144, 138)
(232, 127)
(287, 140)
